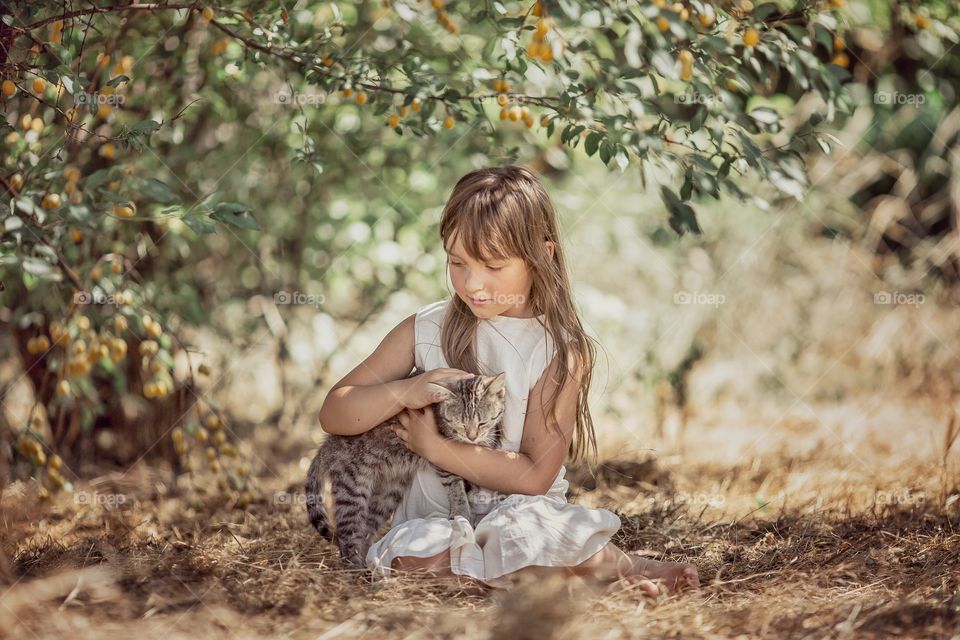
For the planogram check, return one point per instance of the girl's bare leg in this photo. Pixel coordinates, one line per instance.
(438, 565)
(611, 565)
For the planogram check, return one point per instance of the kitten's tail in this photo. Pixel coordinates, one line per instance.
(314, 490)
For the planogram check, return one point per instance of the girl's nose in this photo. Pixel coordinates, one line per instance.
(473, 283)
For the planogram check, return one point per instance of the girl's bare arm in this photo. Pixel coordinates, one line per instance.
(374, 390)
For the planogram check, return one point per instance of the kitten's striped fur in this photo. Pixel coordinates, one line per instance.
(370, 472)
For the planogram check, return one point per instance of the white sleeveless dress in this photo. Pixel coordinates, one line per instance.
(510, 531)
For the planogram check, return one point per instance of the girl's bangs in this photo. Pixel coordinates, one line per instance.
(482, 239)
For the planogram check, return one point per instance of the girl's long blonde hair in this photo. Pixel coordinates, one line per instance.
(504, 212)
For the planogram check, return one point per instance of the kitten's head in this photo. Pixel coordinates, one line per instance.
(473, 411)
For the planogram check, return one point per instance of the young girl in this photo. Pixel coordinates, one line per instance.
(511, 307)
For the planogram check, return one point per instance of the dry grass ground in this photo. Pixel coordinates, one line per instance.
(830, 553)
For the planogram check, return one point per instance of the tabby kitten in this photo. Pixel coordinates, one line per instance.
(370, 472)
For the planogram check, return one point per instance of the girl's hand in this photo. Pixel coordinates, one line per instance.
(419, 431)
(427, 388)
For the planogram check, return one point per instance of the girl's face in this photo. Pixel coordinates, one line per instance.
(493, 288)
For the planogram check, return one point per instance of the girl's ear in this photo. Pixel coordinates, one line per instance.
(549, 245)
(497, 384)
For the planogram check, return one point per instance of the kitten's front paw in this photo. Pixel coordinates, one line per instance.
(462, 510)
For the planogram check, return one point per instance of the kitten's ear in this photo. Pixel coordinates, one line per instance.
(497, 384)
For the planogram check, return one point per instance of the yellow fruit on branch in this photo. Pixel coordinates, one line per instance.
(448, 122)
(39, 85)
(16, 181)
(751, 37)
(58, 332)
(125, 210)
(9, 89)
(149, 347)
(51, 201)
(708, 16)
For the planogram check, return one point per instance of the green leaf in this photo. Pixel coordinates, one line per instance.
(765, 115)
(824, 37)
(199, 223)
(698, 118)
(236, 214)
(145, 126)
(98, 178)
(682, 216)
(592, 142)
(158, 191)
(687, 187)
(764, 10)
(40, 269)
(606, 151)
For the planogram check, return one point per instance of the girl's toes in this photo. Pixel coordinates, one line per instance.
(691, 578)
(645, 586)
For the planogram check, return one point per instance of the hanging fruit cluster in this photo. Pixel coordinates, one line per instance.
(46, 469)
(443, 18)
(205, 440)
(540, 46)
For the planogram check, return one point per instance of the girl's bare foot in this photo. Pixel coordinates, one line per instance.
(672, 576)
(633, 581)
